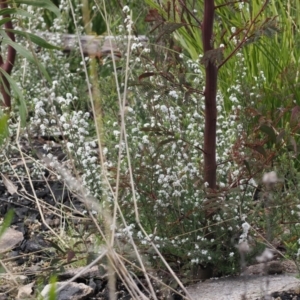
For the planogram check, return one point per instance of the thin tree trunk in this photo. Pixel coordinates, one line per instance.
(211, 74)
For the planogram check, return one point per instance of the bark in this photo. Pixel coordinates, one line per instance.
(210, 94)
(9, 63)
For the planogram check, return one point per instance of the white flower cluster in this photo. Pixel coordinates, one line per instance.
(128, 20)
(53, 112)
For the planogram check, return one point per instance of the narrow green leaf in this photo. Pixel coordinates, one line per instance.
(20, 49)
(56, 246)
(3, 127)
(5, 20)
(293, 145)
(146, 75)
(269, 131)
(260, 149)
(7, 221)
(52, 292)
(15, 11)
(18, 96)
(25, 53)
(247, 166)
(164, 142)
(280, 137)
(35, 39)
(47, 4)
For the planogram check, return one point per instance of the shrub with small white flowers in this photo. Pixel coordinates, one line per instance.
(165, 136)
(54, 109)
(164, 127)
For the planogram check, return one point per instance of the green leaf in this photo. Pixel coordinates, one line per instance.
(293, 145)
(269, 131)
(56, 246)
(47, 4)
(146, 75)
(247, 166)
(15, 11)
(3, 127)
(20, 49)
(259, 149)
(280, 137)
(7, 221)
(4, 20)
(35, 39)
(52, 295)
(25, 53)
(18, 96)
(167, 141)
(214, 56)
(167, 29)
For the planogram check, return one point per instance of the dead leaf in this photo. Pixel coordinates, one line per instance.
(25, 291)
(70, 255)
(11, 188)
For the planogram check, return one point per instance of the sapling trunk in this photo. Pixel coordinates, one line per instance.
(210, 94)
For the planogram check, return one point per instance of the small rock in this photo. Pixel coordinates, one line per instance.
(3, 296)
(251, 287)
(10, 239)
(93, 272)
(274, 267)
(73, 290)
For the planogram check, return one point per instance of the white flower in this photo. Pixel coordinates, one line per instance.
(70, 145)
(126, 9)
(163, 108)
(265, 256)
(270, 177)
(173, 94)
(145, 139)
(243, 247)
(246, 226)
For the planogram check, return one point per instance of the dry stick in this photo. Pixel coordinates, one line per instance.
(123, 132)
(61, 204)
(102, 160)
(28, 196)
(9, 273)
(137, 214)
(111, 280)
(33, 191)
(73, 183)
(100, 146)
(82, 271)
(123, 129)
(116, 195)
(110, 252)
(155, 278)
(128, 279)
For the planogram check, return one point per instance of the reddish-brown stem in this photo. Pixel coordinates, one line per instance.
(10, 60)
(210, 94)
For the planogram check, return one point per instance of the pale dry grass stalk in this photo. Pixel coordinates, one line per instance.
(110, 223)
(116, 262)
(37, 200)
(123, 135)
(44, 205)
